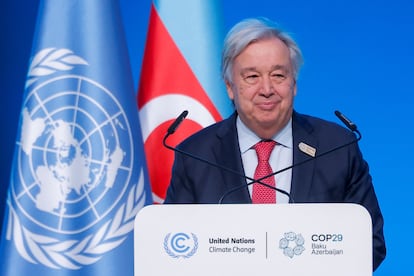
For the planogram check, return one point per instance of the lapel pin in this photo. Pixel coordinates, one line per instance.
(305, 148)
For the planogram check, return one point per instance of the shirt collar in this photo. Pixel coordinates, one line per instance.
(248, 138)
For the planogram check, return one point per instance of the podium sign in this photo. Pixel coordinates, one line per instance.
(249, 239)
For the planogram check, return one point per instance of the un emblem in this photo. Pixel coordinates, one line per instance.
(73, 166)
(180, 245)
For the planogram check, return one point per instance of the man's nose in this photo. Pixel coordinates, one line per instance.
(267, 86)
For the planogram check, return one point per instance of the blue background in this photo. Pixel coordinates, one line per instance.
(358, 59)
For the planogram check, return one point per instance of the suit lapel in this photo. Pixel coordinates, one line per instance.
(228, 154)
(302, 175)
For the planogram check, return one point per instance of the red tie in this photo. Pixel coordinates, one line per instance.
(261, 193)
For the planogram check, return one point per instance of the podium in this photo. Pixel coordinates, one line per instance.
(249, 239)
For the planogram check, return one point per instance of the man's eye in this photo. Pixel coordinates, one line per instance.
(278, 77)
(251, 78)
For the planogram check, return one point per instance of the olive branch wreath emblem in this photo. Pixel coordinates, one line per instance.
(176, 256)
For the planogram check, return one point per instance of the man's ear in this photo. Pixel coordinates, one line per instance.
(229, 88)
(294, 88)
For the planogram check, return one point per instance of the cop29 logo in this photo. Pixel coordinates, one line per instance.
(292, 244)
(180, 245)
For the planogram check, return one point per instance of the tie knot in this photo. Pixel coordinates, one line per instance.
(264, 149)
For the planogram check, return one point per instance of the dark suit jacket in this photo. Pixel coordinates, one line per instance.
(340, 176)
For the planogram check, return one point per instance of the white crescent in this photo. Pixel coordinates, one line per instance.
(168, 107)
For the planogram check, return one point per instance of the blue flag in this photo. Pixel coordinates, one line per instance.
(79, 175)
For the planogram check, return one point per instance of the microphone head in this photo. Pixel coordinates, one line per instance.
(349, 124)
(173, 127)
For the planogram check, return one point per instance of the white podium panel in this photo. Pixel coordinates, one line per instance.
(247, 239)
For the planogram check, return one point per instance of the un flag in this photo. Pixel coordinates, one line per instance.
(79, 175)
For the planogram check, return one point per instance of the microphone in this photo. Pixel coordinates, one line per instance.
(346, 121)
(349, 124)
(173, 127)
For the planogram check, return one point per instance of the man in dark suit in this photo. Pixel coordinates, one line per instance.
(260, 69)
